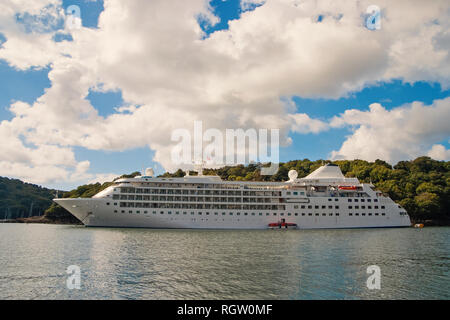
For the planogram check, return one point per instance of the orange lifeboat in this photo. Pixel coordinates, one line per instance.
(347, 187)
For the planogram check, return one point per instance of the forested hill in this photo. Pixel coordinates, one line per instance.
(19, 199)
(421, 186)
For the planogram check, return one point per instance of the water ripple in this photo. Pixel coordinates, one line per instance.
(205, 264)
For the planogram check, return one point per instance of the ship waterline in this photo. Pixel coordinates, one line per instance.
(324, 199)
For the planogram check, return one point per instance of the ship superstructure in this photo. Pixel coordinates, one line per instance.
(323, 199)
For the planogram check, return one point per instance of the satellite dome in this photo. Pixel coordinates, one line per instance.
(149, 172)
(292, 174)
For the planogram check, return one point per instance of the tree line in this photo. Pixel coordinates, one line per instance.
(421, 186)
(19, 199)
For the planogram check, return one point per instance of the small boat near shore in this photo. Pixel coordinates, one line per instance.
(282, 225)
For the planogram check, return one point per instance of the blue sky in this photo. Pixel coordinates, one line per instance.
(28, 85)
(390, 95)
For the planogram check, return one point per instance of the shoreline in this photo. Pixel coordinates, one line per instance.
(44, 220)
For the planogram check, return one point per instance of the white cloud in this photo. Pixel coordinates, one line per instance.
(130, 109)
(103, 177)
(304, 124)
(80, 173)
(29, 28)
(439, 152)
(249, 4)
(392, 135)
(32, 174)
(154, 53)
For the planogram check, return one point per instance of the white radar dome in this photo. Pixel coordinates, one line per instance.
(149, 172)
(292, 174)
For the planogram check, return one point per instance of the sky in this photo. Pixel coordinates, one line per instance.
(85, 98)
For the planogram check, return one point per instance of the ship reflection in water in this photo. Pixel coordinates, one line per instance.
(206, 264)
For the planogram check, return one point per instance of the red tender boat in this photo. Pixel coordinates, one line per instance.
(282, 225)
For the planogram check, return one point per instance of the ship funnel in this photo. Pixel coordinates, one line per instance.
(328, 171)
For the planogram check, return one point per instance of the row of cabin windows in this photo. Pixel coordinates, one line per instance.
(191, 206)
(363, 214)
(200, 192)
(237, 213)
(273, 207)
(200, 206)
(315, 207)
(254, 214)
(147, 185)
(195, 199)
(296, 193)
(281, 214)
(363, 200)
(210, 199)
(368, 207)
(218, 192)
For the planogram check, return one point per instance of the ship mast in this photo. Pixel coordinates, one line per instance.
(199, 167)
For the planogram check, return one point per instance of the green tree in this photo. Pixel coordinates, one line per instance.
(421, 186)
(428, 187)
(427, 205)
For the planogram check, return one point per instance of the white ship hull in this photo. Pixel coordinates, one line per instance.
(324, 199)
(95, 213)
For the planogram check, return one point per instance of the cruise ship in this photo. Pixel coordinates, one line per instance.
(323, 199)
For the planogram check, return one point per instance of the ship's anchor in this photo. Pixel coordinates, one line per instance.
(88, 214)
